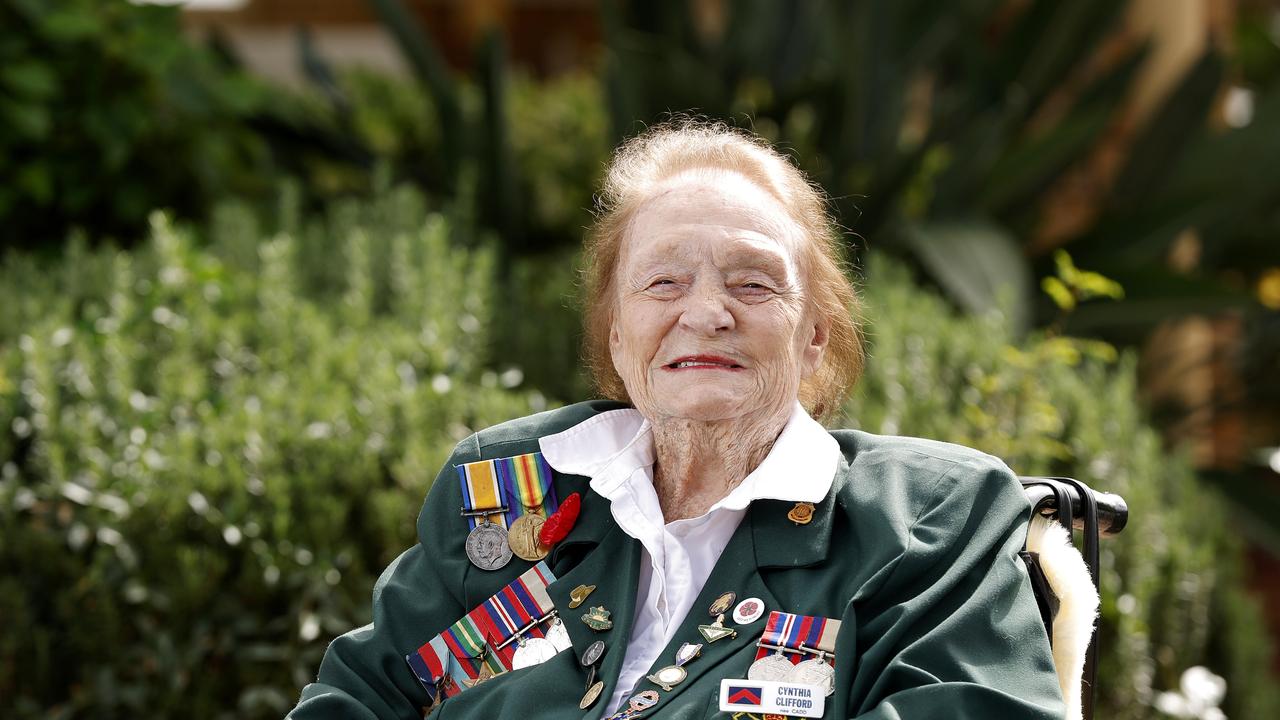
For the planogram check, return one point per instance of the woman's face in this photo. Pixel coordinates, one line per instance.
(712, 322)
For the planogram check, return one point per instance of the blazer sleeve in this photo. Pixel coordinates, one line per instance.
(955, 630)
(364, 674)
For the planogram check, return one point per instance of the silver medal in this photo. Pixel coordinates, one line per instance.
(815, 671)
(771, 668)
(558, 636)
(532, 651)
(487, 546)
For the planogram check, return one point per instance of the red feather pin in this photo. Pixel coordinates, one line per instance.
(561, 521)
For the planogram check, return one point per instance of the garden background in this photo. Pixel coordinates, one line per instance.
(266, 261)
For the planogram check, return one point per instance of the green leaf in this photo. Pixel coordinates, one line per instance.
(978, 264)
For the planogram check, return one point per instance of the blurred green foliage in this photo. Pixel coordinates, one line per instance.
(107, 113)
(208, 453)
(1172, 583)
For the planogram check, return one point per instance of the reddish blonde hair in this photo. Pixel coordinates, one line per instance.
(673, 147)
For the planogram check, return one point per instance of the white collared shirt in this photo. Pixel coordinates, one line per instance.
(615, 450)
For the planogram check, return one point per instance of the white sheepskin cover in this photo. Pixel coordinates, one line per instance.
(1069, 579)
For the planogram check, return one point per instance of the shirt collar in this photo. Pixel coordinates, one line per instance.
(611, 446)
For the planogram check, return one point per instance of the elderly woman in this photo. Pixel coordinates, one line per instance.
(699, 545)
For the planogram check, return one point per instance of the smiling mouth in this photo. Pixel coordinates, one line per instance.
(703, 362)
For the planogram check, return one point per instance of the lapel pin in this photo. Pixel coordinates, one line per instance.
(687, 652)
(597, 618)
(592, 654)
(643, 701)
(590, 696)
(801, 514)
(578, 594)
(748, 611)
(561, 521)
(668, 677)
(716, 630)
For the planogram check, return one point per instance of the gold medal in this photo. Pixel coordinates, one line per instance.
(578, 594)
(523, 537)
(801, 514)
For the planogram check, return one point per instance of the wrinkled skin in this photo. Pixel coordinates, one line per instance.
(709, 278)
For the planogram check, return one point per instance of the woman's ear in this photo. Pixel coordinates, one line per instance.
(815, 348)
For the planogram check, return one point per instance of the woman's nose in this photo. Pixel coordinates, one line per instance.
(707, 312)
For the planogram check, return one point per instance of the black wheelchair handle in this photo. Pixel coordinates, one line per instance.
(1113, 511)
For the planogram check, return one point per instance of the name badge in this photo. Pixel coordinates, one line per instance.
(762, 696)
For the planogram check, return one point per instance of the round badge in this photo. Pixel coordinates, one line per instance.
(723, 603)
(592, 693)
(487, 547)
(748, 611)
(533, 651)
(523, 537)
(592, 654)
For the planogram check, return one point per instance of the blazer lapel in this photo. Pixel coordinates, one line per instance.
(597, 552)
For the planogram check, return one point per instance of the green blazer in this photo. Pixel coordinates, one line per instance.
(914, 550)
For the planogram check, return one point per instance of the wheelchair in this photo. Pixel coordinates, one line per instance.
(1065, 579)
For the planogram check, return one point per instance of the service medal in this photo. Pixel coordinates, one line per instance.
(668, 677)
(523, 537)
(773, 668)
(484, 675)
(487, 546)
(815, 671)
(558, 636)
(532, 651)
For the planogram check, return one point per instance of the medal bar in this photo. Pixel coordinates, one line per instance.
(500, 510)
(519, 633)
(802, 650)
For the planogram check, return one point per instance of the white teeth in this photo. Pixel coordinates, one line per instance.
(698, 364)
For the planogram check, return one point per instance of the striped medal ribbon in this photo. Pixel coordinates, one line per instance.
(512, 620)
(484, 506)
(527, 478)
(797, 636)
(527, 481)
(466, 642)
(483, 498)
(431, 664)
